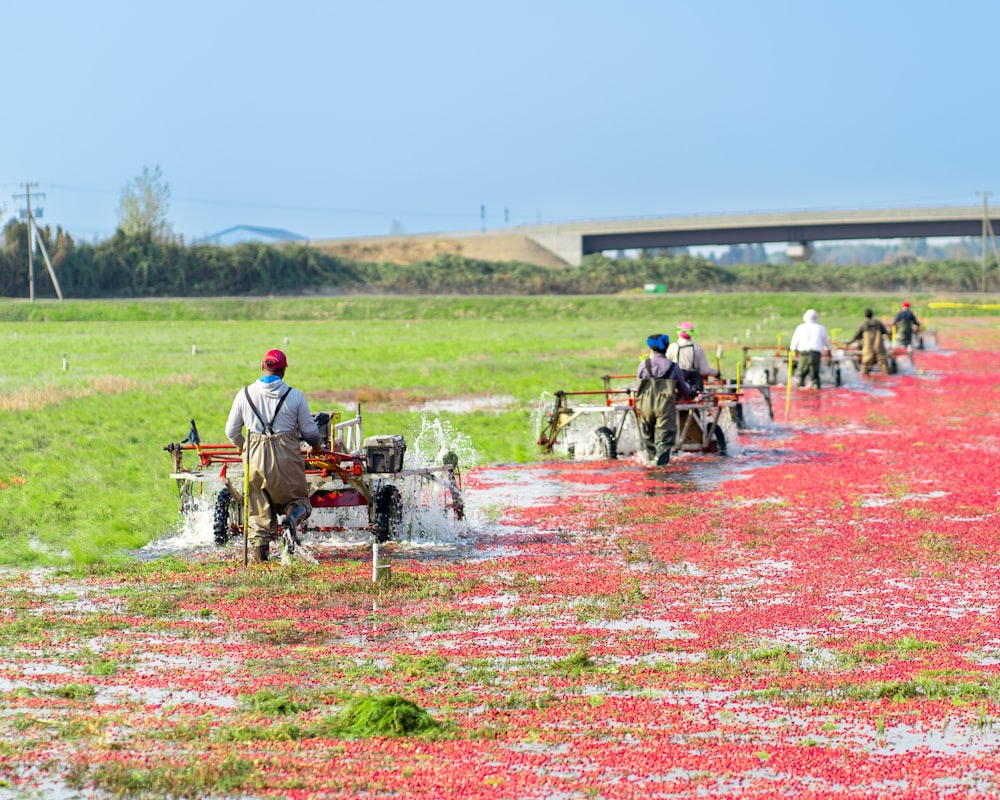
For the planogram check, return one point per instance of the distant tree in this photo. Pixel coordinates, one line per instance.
(918, 247)
(142, 209)
(15, 233)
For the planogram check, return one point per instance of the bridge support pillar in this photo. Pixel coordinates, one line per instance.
(567, 245)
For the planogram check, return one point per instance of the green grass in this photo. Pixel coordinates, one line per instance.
(84, 478)
(390, 715)
(169, 780)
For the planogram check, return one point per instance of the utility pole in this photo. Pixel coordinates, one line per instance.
(987, 231)
(33, 237)
(986, 226)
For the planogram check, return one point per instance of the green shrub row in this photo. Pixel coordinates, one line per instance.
(138, 267)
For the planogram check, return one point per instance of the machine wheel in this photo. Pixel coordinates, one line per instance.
(227, 518)
(388, 512)
(606, 444)
(718, 443)
(736, 415)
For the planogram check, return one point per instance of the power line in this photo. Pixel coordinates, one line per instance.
(274, 207)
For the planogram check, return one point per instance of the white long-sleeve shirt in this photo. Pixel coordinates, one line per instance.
(293, 415)
(810, 336)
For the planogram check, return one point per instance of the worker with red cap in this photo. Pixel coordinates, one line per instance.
(276, 417)
(905, 325)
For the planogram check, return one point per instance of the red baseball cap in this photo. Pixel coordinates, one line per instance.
(906, 304)
(274, 359)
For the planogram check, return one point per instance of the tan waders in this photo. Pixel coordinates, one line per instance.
(872, 349)
(276, 484)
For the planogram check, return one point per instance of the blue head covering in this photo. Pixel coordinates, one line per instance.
(658, 342)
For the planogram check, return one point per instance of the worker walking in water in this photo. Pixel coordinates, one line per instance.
(872, 335)
(810, 340)
(690, 357)
(906, 324)
(661, 381)
(274, 415)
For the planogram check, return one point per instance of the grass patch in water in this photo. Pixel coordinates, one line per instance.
(274, 703)
(390, 715)
(199, 778)
(575, 665)
(416, 667)
(362, 717)
(74, 691)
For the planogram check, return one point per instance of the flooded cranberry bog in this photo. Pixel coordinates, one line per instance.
(814, 616)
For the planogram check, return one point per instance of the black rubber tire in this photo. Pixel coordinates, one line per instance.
(891, 363)
(718, 443)
(226, 518)
(736, 415)
(388, 512)
(607, 446)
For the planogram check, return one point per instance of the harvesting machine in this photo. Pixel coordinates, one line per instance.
(348, 472)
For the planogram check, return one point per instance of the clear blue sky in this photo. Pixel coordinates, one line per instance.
(339, 118)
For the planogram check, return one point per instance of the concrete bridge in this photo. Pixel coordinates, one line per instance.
(567, 243)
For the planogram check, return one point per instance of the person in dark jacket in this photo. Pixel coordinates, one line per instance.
(872, 335)
(906, 324)
(661, 382)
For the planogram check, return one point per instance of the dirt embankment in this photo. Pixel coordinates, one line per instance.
(409, 249)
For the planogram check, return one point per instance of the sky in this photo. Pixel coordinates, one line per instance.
(336, 119)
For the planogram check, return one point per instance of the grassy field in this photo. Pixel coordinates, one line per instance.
(814, 617)
(96, 389)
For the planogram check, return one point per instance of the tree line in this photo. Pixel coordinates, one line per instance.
(143, 265)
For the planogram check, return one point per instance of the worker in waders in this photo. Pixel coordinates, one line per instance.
(661, 381)
(276, 418)
(906, 325)
(810, 340)
(872, 335)
(691, 358)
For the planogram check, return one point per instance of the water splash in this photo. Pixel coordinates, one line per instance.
(435, 440)
(193, 531)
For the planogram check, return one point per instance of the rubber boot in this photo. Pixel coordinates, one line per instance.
(295, 516)
(260, 552)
